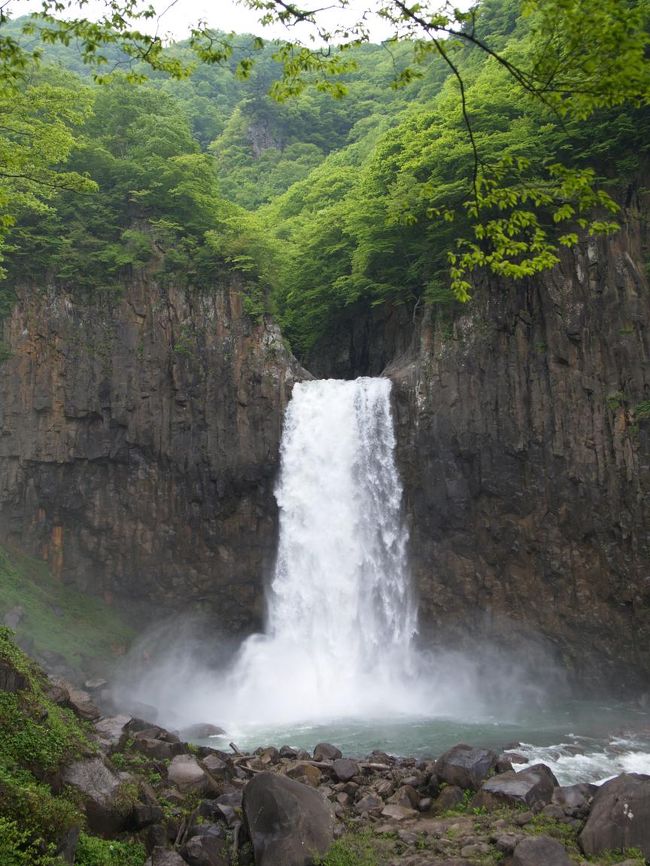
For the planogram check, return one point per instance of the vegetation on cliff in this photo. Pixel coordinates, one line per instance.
(444, 156)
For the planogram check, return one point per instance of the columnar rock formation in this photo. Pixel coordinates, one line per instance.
(524, 445)
(139, 441)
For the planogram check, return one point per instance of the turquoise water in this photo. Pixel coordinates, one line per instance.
(581, 741)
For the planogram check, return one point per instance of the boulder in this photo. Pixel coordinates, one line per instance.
(371, 803)
(306, 773)
(201, 731)
(532, 787)
(289, 824)
(288, 752)
(465, 766)
(620, 816)
(159, 749)
(189, 776)
(540, 851)
(99, 788)
(450, 797)
(110, 731)
(10, 679)
(327, 752)
(206, 850)
(345, 769)
(406, 796)
(81, 704)
(164, 857)
(575, 800)
(397, 813)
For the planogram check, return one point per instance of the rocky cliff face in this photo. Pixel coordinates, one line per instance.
(139, 442)
(524, 444)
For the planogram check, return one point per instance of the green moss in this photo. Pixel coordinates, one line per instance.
(57, 618)
(38, 739)
(642, 410)
(610, 858)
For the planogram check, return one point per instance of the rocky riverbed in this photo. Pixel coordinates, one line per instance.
(122, 781)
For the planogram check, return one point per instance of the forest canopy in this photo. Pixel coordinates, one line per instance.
(332, 178)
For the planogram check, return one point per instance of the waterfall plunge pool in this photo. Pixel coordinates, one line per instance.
(338, 661)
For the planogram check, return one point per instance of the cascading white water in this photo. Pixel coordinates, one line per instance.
(341, 617)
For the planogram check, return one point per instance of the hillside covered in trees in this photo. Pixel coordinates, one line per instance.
(327, 205)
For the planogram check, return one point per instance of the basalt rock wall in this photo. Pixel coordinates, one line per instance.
(524, 446)
(139, 444)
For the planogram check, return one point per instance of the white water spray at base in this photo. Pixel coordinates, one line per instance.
(341, 617)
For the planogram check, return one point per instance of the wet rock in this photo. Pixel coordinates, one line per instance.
(532, 787)
(465, 766)
(620, 816)
(503, 764)
(326, 752)
(10, 679)
(517, 758)
(288, 752)
(201, 731)
(575, 800)
(345, 769)
(289, 823)
(99, 788)
(540, 851)
(206, 850)
(187, 774)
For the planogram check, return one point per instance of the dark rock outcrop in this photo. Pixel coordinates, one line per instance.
(524, 446)
(540, 851)
(532, 787)
(620, 816)
(139, 441)
(465, 766)
(289, 824)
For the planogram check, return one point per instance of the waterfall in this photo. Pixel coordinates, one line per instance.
(341, 615)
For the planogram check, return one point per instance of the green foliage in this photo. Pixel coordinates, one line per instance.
(38, 738)
(92, 851)
(642, 410)
(58, 618)
(17, 849)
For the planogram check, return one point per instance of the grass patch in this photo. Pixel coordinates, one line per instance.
(360, 848)
(57, 618)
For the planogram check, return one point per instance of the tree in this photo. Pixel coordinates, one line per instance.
(576, 58)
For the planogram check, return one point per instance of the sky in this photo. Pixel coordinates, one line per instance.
(177, 17)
